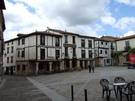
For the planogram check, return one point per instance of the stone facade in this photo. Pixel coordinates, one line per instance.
(103, 52)
(49, 51)
(124, 44)
(2, 28)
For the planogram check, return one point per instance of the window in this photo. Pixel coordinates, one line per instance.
(83, 43)
(102, 43)
(12, 49)
(108, 60)
(23, 41)
(7, 59)
(106, 43)
(83, 54)
(74, 52)
(57, 41)
(23, 53)
(66, 51)
(73, 39)
(7, 50)
(127, 43)
(11, 59)
(42, 53)
(18, 67)
(18, 41)
(18, 53)
(100, 51)
(90, 43)
(42, 39)
(112, 46)
(57, 54)
(23, 68)
(90, 53)
(106, 52)
(12, 42)
(66, 39)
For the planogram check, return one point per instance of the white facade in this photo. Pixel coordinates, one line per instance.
(86, 48)
(124, 45)
(103, 52)
(121, 44)
(51, 51)
(29, 50)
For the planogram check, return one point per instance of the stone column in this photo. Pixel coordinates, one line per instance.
(82, 65)
(37, 69)
(50, 66)
(61, 65)
(94, 64)
(28, 68)
(88, 63)
(70, 65)
(78, 63)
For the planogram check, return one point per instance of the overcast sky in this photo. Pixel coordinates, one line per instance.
(88, 17)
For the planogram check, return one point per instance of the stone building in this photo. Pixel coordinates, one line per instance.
(37, 52)
(2, 28)
(47, 52)
(77, 50)
(123, 45)
(55, 50)
(112, 47)
(102, 52)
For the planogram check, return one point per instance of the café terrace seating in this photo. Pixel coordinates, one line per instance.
(119, 86)
(118, 80)
(128, 91)
(106, 88)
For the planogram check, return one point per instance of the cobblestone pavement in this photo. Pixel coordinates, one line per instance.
(61, 82)
(20, 89)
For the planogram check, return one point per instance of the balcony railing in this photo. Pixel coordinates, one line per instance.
(69, 45)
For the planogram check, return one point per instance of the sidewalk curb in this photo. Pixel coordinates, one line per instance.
(2, 82)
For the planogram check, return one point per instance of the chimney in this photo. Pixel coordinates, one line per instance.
(19, 34)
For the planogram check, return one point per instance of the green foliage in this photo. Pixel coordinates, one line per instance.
(127, 48)
(131, 51)
(116, 54)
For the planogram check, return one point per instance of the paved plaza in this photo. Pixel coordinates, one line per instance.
(20, 89)
(61, 83)
(56, 87)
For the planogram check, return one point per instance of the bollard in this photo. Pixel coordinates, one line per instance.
(85, 94)
(108, 96)
(72, 93)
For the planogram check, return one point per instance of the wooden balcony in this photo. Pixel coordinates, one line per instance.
(69, 45)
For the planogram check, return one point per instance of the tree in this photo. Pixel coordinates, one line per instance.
(116, 55)
(131, 51)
